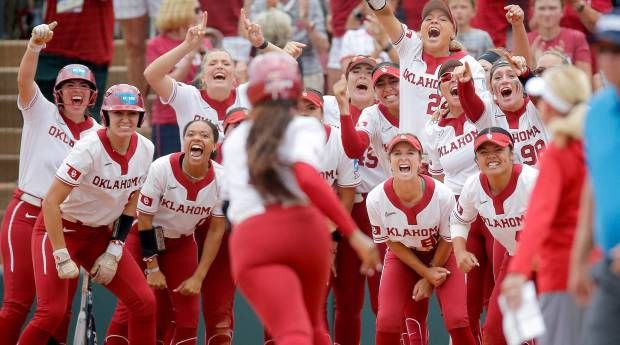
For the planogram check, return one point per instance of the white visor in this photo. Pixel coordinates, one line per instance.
(538, 87)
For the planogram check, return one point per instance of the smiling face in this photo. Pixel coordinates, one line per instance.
(387, 91)
(75, 96)
(198, 143)
(218, 70)
(507, 88)
(494, 159)
(123, 123)
(359, 83)
(437, 30)
(405, 161)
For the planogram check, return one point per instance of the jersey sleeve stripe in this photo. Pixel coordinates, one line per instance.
(172, 96)
(67, 182)
(435, 172)
(30, 104)
(461, 220)
(348, 185)
(141, 210)
(381, 239)
(402, 34)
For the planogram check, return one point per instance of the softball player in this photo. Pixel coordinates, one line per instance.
(280, 244)
(500, 195)
(50, 131)
(96, 185)
(366, 141)
(410, 213)
(452, 160)
(421, 54)
(509, 109)
(210, 103)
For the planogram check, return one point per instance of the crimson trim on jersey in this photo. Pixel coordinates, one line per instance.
(75, 127)
(410, 212)
(386, 113)
(498, 200)
(513, 116)
(220, 106)
(328, 131)
(174, 93)
(402, 34)
(458, 123)
(122, 160)
(432, 63)
(192, 187)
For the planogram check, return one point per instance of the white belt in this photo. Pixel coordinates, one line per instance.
(31, 199)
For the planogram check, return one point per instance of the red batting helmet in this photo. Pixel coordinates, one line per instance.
(122, 97)
(273, 76)
(75, 72)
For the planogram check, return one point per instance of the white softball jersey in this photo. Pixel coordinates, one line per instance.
(419, 82)
(502, 214)
(526, 127)
(103, 179)
(331, 111)
(420, 226)
(450, 143)
(178, 203)
(47, 138)
(381, 127)
(303, 141)
(336, 168)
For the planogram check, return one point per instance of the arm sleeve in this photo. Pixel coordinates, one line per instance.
(464, 212)
(541, 211)
(471, 102)
(77, 164)
(323, 197)
(379, 232)
(152, 190)
(354, 142)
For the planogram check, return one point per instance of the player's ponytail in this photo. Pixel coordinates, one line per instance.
(271, 118)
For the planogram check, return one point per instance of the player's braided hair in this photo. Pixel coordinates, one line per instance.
(271, 120)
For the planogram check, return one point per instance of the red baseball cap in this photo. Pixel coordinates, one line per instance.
(385, 69)
(313, 96)
(405, 138)
(359, 60)
(497, 138)
(234, 116)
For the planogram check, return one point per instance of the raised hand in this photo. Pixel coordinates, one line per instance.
(294, 49)
(43, 33)
(514, 14)
(196, 34)
(462, 73)
(251, 30)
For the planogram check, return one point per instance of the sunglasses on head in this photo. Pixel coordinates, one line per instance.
(445, 77)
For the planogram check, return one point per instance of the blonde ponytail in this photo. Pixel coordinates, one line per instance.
(456, 46)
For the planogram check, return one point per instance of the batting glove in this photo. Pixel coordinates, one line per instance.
(105, 266)
(67, 268)
(376, 5)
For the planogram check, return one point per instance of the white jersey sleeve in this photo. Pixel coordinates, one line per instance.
(189, 105)
(38, 106)
(331, 112)
(154, 187)
(77, 164)
(368, 121)
(374, 207)
(465, 211)
(408, 44)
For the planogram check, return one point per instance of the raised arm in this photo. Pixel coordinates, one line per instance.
(254, 33)
(387, 19)
(41, 34)
(156, 73)
(520, 43)
(471, 102)
(354, 142)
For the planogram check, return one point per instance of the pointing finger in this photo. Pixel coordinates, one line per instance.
(205, 17)
(52, 25)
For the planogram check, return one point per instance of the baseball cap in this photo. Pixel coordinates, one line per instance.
(608, 28)
(490, 56)
(313, 96)
(539, 87)
(439, 5)
(234, 116)
(385, 68)
(494, 135)
(358, 60)
(405, 138)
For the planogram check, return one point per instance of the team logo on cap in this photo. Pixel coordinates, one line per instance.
(73, 173)
(384, 69)
(78, 71)
(127, 98)
(489, 136)
(146, 200)
(402, 136)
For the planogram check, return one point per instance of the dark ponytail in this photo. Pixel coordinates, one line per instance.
(271, 120)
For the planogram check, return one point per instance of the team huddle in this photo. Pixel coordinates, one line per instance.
(413, 178)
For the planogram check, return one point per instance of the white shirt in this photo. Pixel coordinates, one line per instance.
(303, 141)
(381, 129)
(177, 203)
(47, 138)
(415, 227)
(331, 111)
(502, 214)
(419, 82)
(529, 132)
(451, 150)
(359, 42)
(103, 180)
(336, 167)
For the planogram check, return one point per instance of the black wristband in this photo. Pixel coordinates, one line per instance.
(336, 236)
(148, 242)
(121, 227)
(263, 46)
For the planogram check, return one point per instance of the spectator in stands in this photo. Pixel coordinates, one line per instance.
(339, 13)
(549, 35)
(490, 18)
(175, 17)
(309, 30)
(276, 26)
(476, 41)
(92, 47)
(548, 59)
(133, 16)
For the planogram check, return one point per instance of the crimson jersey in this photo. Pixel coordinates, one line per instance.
(336, 167)
(47, 138)
(419, 82)
(103, 179)
(417, 227)
(503, 213)
(451, 153)
(178, 203)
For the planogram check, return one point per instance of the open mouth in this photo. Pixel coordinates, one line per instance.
(404, 169)
(493, 164)
(361, 87)
(76, 100)
(433, 32)
(219, 76)
(196, 151)
(454, 91)
(505, 92)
